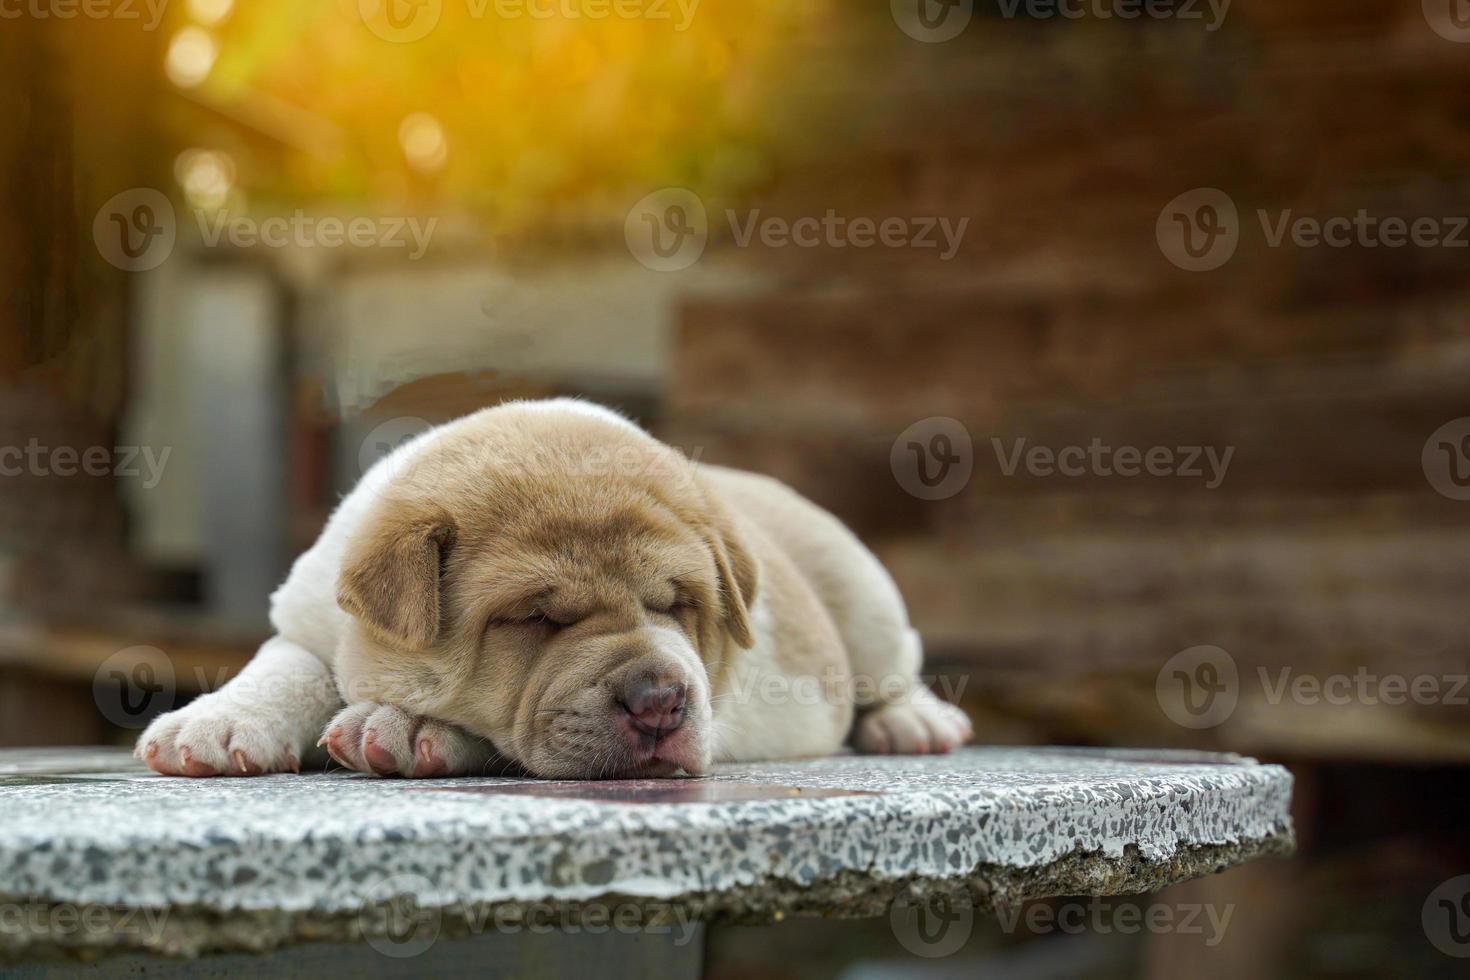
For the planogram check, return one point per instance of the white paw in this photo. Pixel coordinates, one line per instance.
(382, 739)
(212, 737)
(921, 724)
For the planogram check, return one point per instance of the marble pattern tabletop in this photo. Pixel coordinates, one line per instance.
(88, 826)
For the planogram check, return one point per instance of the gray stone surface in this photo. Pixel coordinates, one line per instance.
(255, 863)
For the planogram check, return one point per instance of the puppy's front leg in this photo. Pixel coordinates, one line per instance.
(264, 720)
(387, 741)
(911, 720)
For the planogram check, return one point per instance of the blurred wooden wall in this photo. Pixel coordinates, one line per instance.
(79, 97)
(1060, 321)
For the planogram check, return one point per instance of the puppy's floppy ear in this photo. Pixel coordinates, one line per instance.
(390, 574)
(736, 567)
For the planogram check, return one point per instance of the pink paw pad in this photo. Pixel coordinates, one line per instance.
(379, 758)
(193, 767)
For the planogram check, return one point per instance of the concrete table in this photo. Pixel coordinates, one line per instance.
(514, 876)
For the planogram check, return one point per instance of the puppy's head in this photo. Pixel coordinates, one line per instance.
(560, 584)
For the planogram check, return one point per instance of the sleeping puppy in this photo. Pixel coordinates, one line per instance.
(544, 588)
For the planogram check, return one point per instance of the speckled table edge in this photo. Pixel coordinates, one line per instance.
(194, 931)
(190, 929)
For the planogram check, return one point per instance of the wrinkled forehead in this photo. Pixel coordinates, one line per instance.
(584, 555)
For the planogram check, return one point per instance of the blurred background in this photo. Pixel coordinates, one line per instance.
(1132, 335)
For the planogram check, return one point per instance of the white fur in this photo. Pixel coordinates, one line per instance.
(766, 714)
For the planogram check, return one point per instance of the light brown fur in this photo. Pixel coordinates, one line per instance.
(586, 523)
(511, 577)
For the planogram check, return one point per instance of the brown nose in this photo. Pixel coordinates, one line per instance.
(654, 707)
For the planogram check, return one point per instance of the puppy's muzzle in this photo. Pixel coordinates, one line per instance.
(651, 714)
(654, 704)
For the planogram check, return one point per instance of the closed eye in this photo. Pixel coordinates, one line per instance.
(538, 620)
(671, 608)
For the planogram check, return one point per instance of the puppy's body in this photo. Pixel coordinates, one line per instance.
(543, 584)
